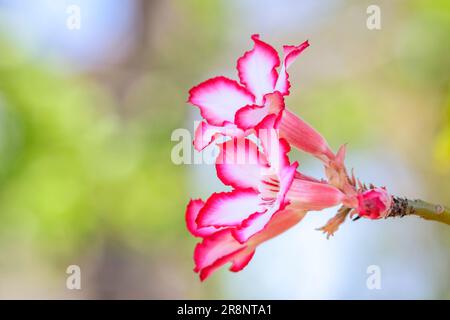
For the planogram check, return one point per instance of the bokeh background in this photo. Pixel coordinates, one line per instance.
(86, 117)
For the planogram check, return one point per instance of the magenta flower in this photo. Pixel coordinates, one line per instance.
(230, 108)
(269, 194)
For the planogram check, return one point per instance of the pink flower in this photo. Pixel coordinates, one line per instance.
(219, 246)
(268, 197)
(374, 203)
(234, 109)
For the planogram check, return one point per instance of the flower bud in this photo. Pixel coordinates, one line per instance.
(374, 203)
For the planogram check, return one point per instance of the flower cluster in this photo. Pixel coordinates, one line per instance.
(254, 131)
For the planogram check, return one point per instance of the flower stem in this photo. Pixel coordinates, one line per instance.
(428, 211)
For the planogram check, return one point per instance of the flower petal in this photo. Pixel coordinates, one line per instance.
(304, 137)
(257, 222)
(192, 210)
(241, 260)
(216, 250)
(257, 69)
(250, 116)
(313, 195)
(275, 149)
(240, 163)
(280, 222)
(219, 98)
(205, 133)
(221, 247)
(229, 208)
(302, 176)
(274, 102)
(207, 271)
(290, 54)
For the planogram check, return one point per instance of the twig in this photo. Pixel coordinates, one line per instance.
(428, 211)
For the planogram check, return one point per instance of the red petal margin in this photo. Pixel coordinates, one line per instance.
(205, 133)
(219, 98)
(192, 210)
(240, 163)
(241, 260)
(290, 54)
(227, 209)
(257, 68)
(216, 250)
(251, 116)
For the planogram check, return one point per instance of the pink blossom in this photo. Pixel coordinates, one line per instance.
(268, 197)
(235, 109)
(268, 194)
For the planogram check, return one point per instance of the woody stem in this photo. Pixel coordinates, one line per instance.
(428, 211)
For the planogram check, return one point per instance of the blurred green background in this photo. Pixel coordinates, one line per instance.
(86, 118)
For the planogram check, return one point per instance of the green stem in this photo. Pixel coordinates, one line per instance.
(430, 211)
(423, 209)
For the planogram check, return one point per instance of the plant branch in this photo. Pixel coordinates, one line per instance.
(428, 211)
